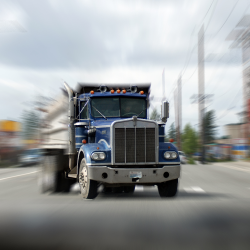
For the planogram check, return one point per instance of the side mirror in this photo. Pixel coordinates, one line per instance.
(165, 111)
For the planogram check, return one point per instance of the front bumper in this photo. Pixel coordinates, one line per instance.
(122, 175)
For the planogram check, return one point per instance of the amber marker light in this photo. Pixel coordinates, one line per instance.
(171, 140)
(124, 91)
(141, 92)
(112, 91)
(97, 148)
(92, 92)
(118, 91)
(84, 141)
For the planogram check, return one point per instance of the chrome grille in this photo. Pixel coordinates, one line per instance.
(134, 145)
(120, 148)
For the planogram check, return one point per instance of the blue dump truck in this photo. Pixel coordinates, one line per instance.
(101, 135)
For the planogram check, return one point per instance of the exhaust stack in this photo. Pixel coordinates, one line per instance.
(71, 127)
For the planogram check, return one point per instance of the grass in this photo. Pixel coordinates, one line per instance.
(7, 164)
(191, 161)
(4, 164)
(212, 159)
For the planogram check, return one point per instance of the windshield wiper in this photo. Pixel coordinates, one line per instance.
(83, 108)
(141, 112)
(100, 113)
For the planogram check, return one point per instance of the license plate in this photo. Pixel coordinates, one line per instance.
(134, 174)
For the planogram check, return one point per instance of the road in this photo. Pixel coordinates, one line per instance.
(211, 211)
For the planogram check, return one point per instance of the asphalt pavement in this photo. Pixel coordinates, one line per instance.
(211, 211)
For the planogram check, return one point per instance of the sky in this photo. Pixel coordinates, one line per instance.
(44, 43)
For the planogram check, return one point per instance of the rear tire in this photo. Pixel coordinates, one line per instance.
(168, 189)
(48, 177)
(88, 187)
(51, 178)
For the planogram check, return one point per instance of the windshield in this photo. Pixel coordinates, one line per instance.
(118, 107)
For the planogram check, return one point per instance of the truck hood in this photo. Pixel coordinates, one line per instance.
(105, 123)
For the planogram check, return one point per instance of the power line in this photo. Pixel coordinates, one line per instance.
(229, 108)
(185, 66)
(206, 30)
(188, 60)
(227, 18)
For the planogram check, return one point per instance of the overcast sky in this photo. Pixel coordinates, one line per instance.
(43, 43)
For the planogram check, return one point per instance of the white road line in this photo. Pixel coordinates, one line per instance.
(18, 175)
(233, 167)
(194, 189)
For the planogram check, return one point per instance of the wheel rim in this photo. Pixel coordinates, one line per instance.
(83, 180)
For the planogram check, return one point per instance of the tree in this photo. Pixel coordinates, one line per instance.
(30, 124)
(155, 115)
(189, 140)
(172, 132)
(209, 127)
(31, 119)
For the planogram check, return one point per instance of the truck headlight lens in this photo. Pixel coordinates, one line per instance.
(166, 155)
(170, 155)
(174, 155)
(98, 156)
(102, 156)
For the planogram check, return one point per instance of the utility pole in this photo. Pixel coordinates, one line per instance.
(178, 111)
(163, 85)
(201, 80)
(201, 97)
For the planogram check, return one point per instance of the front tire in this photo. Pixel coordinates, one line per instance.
(88, 187)
(168, 189)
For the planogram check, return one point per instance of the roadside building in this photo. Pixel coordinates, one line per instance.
(10, 140)
(235, 145)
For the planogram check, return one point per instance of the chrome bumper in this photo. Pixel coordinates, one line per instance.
(122, 175)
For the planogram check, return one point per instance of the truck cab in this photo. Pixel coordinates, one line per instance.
(113, 143)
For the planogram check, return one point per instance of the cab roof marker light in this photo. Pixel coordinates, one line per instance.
(142, 92)
(124, 91)
(92, 92)
(112, 91)
(118, 91)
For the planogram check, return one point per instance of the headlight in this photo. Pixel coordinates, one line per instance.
(102, 156)
(170, 155)
(98, 156)
(166, 155)
(174, 155)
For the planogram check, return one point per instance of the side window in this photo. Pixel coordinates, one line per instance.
(84, 112)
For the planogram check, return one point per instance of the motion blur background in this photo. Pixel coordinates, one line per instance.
(44, 43)
(194, 53)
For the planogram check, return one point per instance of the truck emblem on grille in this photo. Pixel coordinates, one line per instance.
(134, 120)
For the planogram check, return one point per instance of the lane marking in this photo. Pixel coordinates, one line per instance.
(194, 189)
(233, 167)
(18, 175)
